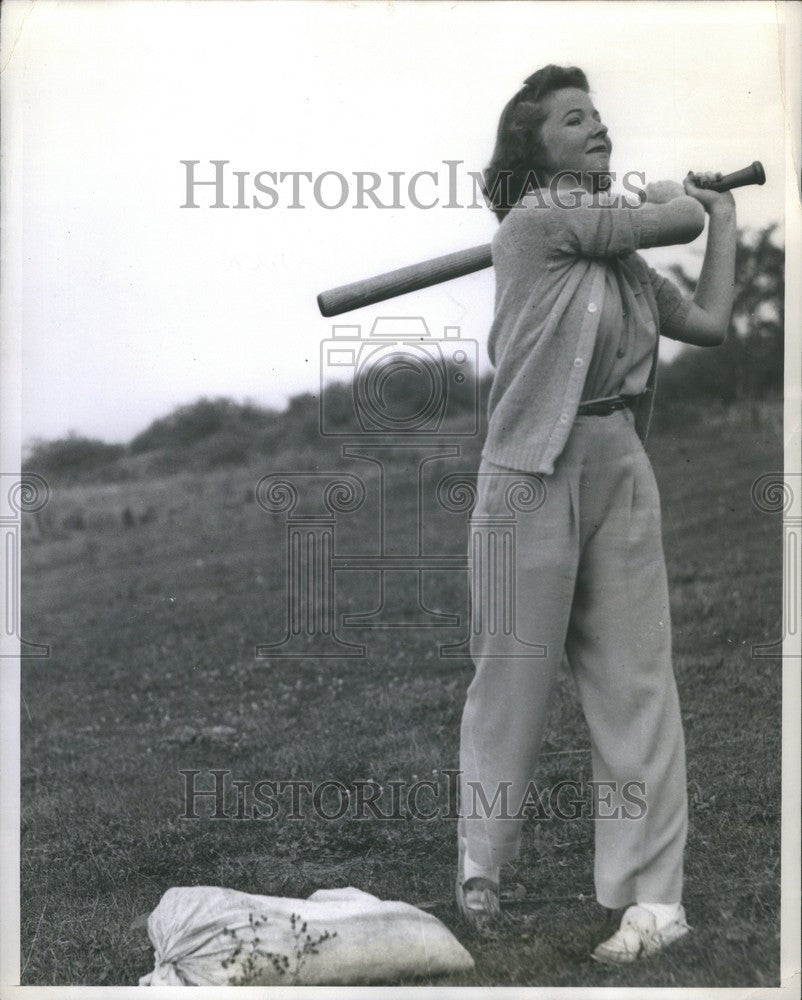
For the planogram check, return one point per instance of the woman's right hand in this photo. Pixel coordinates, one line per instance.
(709, 199)
(661, 192)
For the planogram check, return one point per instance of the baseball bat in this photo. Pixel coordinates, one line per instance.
(413, 278)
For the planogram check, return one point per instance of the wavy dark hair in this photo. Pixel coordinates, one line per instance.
(519, 152)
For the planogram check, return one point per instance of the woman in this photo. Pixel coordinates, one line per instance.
(574, 339)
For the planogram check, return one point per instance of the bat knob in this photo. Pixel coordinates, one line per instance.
(758, 172)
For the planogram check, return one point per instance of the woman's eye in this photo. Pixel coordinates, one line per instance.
(574, 121)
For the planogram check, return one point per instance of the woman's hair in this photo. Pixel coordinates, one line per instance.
(519, 152)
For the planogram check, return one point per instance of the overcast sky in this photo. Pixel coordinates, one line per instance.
(132, 305)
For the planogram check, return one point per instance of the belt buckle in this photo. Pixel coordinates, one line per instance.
(606, 407)
(603, 407)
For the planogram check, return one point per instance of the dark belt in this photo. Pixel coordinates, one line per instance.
(604, 407)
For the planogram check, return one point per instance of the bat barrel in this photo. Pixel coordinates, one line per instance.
(406, 279)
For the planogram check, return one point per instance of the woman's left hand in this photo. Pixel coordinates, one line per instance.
(708, 199)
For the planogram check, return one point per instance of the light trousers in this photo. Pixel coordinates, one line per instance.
(586, 577)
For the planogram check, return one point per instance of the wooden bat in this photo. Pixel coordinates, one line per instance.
(455, 265)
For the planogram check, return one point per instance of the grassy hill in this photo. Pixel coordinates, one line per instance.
(153, 619)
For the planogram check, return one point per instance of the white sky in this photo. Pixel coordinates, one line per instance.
(132, 305)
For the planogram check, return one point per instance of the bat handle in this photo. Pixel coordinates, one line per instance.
(753, 174)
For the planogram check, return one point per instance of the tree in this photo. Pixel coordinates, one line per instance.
(749, 365)
(74, 457)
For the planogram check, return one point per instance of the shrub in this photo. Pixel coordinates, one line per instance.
(200, 421)
(72, 457)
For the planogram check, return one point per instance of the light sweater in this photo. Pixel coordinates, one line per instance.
(551, 266)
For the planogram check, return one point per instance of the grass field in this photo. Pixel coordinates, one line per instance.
(152, 670)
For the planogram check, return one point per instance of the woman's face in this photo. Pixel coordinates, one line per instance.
(573, 136)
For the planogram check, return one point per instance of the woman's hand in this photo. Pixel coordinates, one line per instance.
(709, 200)
(661, 192)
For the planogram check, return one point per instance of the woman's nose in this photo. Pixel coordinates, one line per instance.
(599, 130)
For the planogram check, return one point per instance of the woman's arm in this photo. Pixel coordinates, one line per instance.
(680, 221)
(680, 218)
(709, 314)
(589, 228)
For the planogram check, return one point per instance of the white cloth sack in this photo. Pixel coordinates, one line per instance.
(208, 936)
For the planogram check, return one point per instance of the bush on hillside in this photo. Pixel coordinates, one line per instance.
(201, 420)
(73, 457)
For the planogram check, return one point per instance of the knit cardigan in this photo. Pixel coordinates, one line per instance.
(550, 266)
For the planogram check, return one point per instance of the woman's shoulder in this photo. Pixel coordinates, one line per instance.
(545, 209)
(526, 223)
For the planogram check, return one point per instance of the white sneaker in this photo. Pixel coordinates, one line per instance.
(638, 937)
